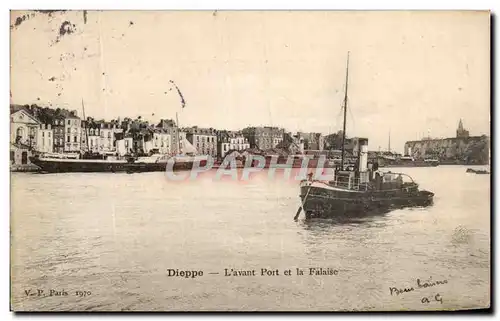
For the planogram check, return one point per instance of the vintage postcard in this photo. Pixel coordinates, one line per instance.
(250, 160)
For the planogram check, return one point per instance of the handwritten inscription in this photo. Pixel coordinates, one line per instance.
(420, 285)
(436, 298)
(429, 283)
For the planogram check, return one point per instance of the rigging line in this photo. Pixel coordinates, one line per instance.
(337, 118)
(338, 115)
(352, 118)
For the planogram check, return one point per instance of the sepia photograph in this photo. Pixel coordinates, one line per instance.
(270, 161)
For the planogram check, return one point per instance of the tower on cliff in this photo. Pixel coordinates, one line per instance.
(461, 132)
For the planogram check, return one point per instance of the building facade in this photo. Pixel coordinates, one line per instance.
(263, 137)
(203, 139)
(58, 134)
(170, 127)
(162, 141)
(72, 134)
(158, 143)
(229, 141)
(45, 139)
(94, 137)
(24, 128)
(125, 145)
(107, 137)
(223, 143)
(312, 141)
(237, 141)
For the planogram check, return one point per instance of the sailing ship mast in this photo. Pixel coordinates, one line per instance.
(85, 128)
(389, 147)
(345, 113)
(178, 138)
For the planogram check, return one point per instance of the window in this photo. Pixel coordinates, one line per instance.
(69, 139)
(74, 139)
(69, 130)
(69, 122)
(24, 158)
(109, 134)
(43, 134)
(49, 134)
(20, 132)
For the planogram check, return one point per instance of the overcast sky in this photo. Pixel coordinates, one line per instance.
(411, 73)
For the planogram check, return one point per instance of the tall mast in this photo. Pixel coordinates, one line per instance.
(178, 138)
(389, 147)
(345, 112)
(85, 127)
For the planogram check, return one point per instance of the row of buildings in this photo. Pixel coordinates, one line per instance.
(47, 130)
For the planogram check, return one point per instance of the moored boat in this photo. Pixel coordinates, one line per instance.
(66, 165)
(348, 196)
(361, 189)
(477, 171)
(408, 161)
(109, 164)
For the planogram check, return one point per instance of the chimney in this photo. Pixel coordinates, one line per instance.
(363, 154)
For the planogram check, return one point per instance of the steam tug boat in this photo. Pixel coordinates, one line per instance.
(359, 189)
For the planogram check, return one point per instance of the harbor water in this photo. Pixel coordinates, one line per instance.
(108, 241)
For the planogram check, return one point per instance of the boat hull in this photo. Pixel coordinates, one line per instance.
(157, 167)
(320, 202)
(89, 166)
(73, 166)
(476, 171)
(415, 164)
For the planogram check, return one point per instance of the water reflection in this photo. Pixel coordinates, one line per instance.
(335, 234)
